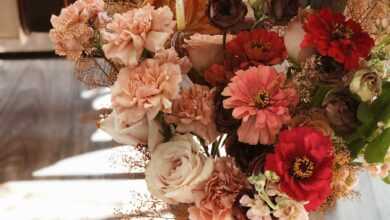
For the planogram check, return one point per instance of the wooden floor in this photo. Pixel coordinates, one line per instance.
(40, 116)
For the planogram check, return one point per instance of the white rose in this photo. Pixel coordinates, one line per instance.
(293, 38)
(141, 132)
(176, 168)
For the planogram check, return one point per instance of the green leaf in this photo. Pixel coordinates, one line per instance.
(377, 149)
(365, 114)
(356, 146)
(319, 95)
(383, 100)
(387, 179)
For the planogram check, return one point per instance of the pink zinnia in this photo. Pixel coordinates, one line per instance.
(261, 99)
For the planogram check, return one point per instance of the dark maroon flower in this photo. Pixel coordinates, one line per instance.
(340, 109)
(250, 159)
(226, 13)
(223, 117)
(256, 47)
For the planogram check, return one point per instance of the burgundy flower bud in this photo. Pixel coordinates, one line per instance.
(340, 109)
(223, 117)
(226, 13)
(250, 159)
(285, 9)
(330, 71)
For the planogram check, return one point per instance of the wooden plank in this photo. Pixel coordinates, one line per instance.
(40, 111)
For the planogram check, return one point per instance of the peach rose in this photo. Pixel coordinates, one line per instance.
(141, 132)
(149, 88)
(130, 33)
(176, 168)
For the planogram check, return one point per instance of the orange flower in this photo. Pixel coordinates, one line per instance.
(195, 16)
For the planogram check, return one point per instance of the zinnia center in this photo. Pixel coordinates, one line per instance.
(302, 168)
(262, 99)
(341, 32)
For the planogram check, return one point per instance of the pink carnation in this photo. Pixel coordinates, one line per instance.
(71, 33)
(215, 197)
(148, 88)
(130, 33)
(194, 112)
(259, 97)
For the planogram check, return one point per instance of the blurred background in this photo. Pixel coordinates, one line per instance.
(55, 163)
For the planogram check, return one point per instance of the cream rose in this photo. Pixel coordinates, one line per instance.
(176, 168)
(141, 132)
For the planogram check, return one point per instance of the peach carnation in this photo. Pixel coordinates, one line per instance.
(71, 33)
(130, 33)
(194, 112)
(259, 97)
(148, 88)
(215, 197)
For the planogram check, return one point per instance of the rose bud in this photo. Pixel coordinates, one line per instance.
(226, 13)
(293, 38)
(366, 84)
(340, 109)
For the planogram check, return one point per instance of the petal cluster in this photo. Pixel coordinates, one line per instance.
(258, 47)
(72, 33)
(130, 33)
(260, 98)
(149, 88)
(303, 160)
(215, 197)
(331, 34)
(194, 112)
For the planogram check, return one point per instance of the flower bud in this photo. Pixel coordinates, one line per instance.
(366, 84)
(226, 13)
(340, 109)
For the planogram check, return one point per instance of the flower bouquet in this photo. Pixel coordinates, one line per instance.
(243, 109)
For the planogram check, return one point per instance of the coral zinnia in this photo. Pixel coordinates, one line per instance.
(258, 47)
(303, 160)
(258, 96)
(332, 35)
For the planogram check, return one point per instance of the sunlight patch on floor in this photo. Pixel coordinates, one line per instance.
(107, 161)
(73, 200)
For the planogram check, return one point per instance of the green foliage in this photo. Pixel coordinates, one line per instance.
(377, 149)
(387, 179)
(368, 134)
(319, 95)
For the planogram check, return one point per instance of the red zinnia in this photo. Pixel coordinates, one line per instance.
(303, 160)
(334, 36)
(258, 47)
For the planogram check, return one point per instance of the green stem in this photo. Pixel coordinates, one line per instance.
(266, 199)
